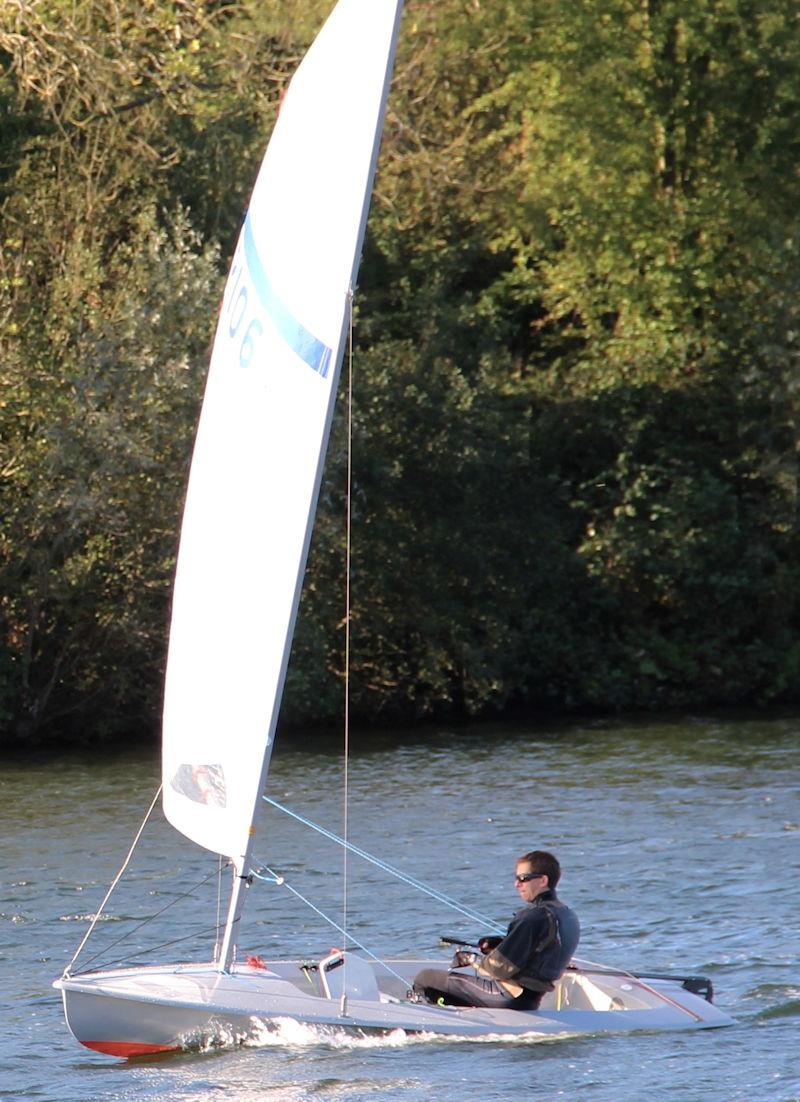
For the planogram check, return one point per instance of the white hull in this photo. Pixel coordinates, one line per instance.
(139, 1011)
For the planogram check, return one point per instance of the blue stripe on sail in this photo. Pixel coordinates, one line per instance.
(312, 351)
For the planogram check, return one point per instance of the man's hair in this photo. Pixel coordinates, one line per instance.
(544, 863)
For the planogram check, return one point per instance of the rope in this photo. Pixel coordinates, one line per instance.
(348, 536)
(211, 931)
(221, 864)
(151, 918)
(114, 883)
(418, 885)
(274, 878)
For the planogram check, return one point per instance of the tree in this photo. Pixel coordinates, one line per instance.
(108, 297)
(576, 418)
(97, 433)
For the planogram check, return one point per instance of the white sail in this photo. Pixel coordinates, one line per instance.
(264, 426)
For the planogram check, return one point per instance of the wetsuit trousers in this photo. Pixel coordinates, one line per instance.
(465, 989)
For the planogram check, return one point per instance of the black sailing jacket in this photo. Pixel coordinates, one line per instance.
(541, 940)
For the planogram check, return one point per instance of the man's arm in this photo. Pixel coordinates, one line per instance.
(496, 966)
(516, 949)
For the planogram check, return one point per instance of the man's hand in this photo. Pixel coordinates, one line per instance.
(486, 944)
(463, 958)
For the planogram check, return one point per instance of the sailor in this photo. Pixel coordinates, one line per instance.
(515, 971)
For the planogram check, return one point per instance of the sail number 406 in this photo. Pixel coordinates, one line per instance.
(244, 328)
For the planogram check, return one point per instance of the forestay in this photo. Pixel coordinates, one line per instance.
(264, 426)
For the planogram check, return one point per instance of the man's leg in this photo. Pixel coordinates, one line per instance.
(432, 984)
(462, 989)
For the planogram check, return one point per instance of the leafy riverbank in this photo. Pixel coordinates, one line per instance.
(576, 397)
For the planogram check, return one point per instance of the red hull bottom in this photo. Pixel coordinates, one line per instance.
(126, 1049)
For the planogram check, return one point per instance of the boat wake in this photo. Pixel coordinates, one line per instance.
(286, 1032)
(291, 1034)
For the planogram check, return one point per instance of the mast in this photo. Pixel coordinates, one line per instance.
(227, 948)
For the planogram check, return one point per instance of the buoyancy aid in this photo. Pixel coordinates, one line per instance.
(531, 963)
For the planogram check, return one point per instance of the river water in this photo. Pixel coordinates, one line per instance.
(680, 843)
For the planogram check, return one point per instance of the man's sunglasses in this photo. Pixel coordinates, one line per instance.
(526, 876)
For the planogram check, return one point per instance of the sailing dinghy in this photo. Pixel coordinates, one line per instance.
(251, 499)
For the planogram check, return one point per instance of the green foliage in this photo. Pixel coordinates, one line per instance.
(576, 386)
(98, 404)
(591, 220)
(652, 178)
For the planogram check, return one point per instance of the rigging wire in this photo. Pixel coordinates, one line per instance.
(207, 931)
(418, 885)
(348, 536)
(274, 878)
(114, 882)
(151, 918)
(221, 864)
